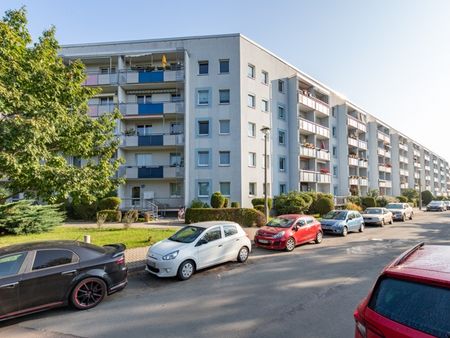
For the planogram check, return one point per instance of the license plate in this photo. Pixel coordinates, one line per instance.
(263, 241)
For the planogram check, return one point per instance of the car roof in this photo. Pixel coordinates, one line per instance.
(293, 216)
(39, 245)
(423, 262)
(210, 224)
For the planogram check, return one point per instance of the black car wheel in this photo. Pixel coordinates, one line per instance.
(411, 216)
(186, 270)
(319, 237)
(403, 218)
(88, 293)
(382, 223)
(344, 232)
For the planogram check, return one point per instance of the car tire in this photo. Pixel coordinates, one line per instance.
(88, 293)
(382, 223)
(344, 231)
(392, 220)
(319, 237)
(243, 255)
(186, 270)
(290, 244)
(411, 216)
(403, 218)
(361, 228)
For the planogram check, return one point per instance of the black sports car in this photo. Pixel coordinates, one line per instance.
(42, 275)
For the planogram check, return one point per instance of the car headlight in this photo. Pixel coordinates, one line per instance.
(279, 235)
(170, 256)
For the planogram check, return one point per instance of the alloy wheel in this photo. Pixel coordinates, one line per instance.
(88, 293)
(319, 237)
(290, 244)
(187, 270)
(243, 254)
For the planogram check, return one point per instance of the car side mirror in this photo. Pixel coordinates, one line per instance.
(295, 227)
(201, 242)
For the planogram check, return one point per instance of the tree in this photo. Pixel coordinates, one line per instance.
(410, 194)
(44, 120)
(292, 203)
(427, 197)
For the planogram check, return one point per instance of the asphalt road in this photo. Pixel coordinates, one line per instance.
(311, 292)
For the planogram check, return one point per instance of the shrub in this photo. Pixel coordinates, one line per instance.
(109, 203)
(368, 202)
(410, 194)
(235, 205)
(246, 217)
(23, 217)
(260, 201)
(315, 197)
(259, 208)
(382, 201)
(324, 204)
(130, 216)
(226, 202)
(197, 204)
(427, 197)
(217, 200)
(402, 199)
(355, 200)
(375, 193)
(352, 206)
(84, 210)
(292, 203)
(111, 215)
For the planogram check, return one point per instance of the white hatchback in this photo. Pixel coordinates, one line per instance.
(198, 246)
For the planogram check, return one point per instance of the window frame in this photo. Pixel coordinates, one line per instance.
(281, 83)
(198, 97)
(253, 71)
(253, 125)
(220, 70)
(254, 162)
(198, 189)
(202, 122)
(229, 97)
(230, 226)
(254, 185)
(253, 104)
(208, 152)
(75, 259)
(282, 158)
(229, 187)
(282, 133)
(221, 152)
(265, 77)
(265, 106)
(283, 109)
(203, 62)
(229, 127)
(22, 266)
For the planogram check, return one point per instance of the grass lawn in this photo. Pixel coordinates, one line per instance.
(132, 238)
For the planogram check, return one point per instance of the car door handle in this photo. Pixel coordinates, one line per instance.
(9, 286)
(70, 272)
(238, 239)
(221, 245)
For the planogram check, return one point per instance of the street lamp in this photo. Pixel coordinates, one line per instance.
(265, 131)
(420, 184)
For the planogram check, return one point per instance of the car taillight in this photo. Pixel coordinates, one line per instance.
(120, 260)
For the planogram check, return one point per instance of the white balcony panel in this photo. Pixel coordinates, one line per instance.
(323, 155)
(307, 176)
(353, 161)
(323, 178)
(307, 152)
(353, 142)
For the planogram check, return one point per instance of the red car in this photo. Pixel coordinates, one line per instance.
(411, 297)
(285, 232)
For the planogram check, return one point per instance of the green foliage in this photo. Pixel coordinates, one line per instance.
(226, 202)
(84, 210)
(355, 200)
(111, 215)
(244, 216)
(4, 193)
(427, 197)
(196, 203)
(259, 208)
(382, 201)
(314, 197)
(260, 201)
(23, 217)
(375, 193)
(292, 203)
(402, 199)
(352, 206)
(217, 200)
(324, 204)
(410, 194)
(109, 203)
(44, 120)
(368, 202)
(235, 205)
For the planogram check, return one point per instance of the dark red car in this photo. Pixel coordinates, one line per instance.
(285, 232)
(411, 298)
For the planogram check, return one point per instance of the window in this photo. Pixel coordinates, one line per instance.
(213, 235)
(224, 66)
(224, 96)
(143, 160)
(175, 189)
(203, 67)
(224, 127)
(265, 105)
(203, 158)
(143, 130)
(225, 188)
(419, 306)
(251, 71)
(203, 128)
(224, 158)
(281, 86)
(252, 159)
(11, 264)
(252, 189)
(335, 169)
(229, 230)
(282, 163)
(333, 131)
(49, 258)
(203, 97)
(107, 70)
(176, 128)
(265, 77)
(281, 113)
(76, 161)
(176, 160)
(203, 189)
(251, 129)
(251, 100)
(281, 137)
(142, 99)
(282, 188)
(104, 101)
(334, 151)
(176, 97)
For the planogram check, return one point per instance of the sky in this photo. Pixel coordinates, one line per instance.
(390, 57)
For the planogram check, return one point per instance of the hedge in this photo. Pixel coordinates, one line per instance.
(402, 199)
(109, 203)
(235, 205)
(246, 217)
(260, 201)
(324, 205)
(368, 202)
(84, 210)
(352, 206)
(111, 215)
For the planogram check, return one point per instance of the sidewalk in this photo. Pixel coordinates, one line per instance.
(165, 223)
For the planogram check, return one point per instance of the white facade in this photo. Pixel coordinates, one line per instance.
(193, 109)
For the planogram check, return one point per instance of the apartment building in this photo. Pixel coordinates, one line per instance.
(193, 110)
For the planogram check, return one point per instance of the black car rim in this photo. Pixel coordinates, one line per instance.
(89, 293)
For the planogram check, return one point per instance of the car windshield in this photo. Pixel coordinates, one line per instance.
(435, 203)
(394, 206)
(373, 211)
(336, 215)
(280, 222)
(187, 235)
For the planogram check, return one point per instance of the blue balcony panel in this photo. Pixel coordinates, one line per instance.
(150, 140)
(153, 172)
(155, 76)
(150, 108)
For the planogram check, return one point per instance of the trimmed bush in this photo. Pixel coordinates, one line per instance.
(315, 197)
(235, 205)
(402, 199)
(353, 206)
(259, 208)
(355, 200)
(324, 204)
(85, 211)
(109, 203)
(226, 202)
(197, 204)
(292, 203)
(427, 197)
(111, 215)
(246, 217)
(217, 200)
(22, 217)
(382, 201)
(260, 201)
(368, 202)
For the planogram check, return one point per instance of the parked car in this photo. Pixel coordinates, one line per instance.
(410, 298)
(377, 216)
(285, 232)
(400, 211)
(436, 206)
(447, 205)
(42, 275)
(342, 222)
(198, 246)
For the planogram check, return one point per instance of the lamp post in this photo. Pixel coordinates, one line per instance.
(265, 131)
(420, 185)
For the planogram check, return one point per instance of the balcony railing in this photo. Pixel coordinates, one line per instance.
(314, 103)
(416, 153)
(101, 79)
(323, 154)
(153, 108)
(163, 203)
(323, 178)
(156, 76)
(362, 144)
(153, 172)
(307, 176)
(427, 167)
(403, 146)
(96, 110)
(353, 161)
(416, 175)
(153, 140)
(353, 142)
(363, 181)
(356, 124)
(404, 172)
(363, 163)
(314, 128)
(417, 164)
(404, 186)
(307, 152)
(403, 159)
(353, 181)
(383, 137)
(382, 167)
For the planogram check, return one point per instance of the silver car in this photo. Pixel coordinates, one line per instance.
(377, 216)
(400, 211)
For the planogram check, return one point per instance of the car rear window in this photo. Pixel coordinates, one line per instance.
(419, 306)
(52, 257)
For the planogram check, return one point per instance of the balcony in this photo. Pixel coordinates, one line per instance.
(385, 183)
(404, 186)
(323, 178)
(96, 110)
(313, 103)
(313, 128)
(416, 176)
(428, 178)
(353, 180)
(403, 146)
(383, 168)
(427, 167)
(404, 172)
(153, 172)
(156, 76)
(323, 154)
(307, 176)
(383, 137)
(353, 142)
(352, 122)
(435, 171)
(353, 161)
(100, 79)
(153, 108)
(363, 182)
(363, 164)
(417, 164)
(322, 131)
(416, 153)
(403, 159)
(163, 203)
(307, 152)
(427, 158)
(362, 144)
(154, 140)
